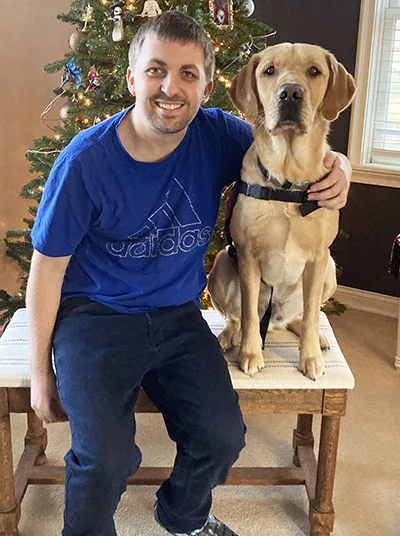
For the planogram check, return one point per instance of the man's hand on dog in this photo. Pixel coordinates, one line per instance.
(332, 191)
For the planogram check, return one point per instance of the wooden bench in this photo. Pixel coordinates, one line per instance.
(279, 388)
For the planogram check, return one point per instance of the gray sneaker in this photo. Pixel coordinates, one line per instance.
(212, 527)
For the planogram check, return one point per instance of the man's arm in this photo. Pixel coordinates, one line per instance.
(332, 191)
(42, 300)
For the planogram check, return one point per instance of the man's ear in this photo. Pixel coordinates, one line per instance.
(207, 92)
(340, 91)
(244, 93)
(130, 81)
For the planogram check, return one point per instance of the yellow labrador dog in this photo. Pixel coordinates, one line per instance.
(289, 93)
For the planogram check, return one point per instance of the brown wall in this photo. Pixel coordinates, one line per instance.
(372, 215)
(31, 36)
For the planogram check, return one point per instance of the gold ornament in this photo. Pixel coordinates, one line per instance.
(74, 41)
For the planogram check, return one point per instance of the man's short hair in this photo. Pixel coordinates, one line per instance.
(174, 26)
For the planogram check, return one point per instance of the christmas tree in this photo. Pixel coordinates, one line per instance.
(93, 87)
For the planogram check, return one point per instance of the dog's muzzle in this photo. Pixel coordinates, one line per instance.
(290, 99)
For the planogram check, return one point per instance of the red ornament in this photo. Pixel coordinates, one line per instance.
(93, 79)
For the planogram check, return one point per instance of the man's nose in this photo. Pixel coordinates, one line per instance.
(170, 85)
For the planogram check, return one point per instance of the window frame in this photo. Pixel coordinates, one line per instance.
(363, 109)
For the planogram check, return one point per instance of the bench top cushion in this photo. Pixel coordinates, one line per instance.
(281, 359)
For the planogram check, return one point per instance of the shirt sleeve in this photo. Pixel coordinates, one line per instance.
(65, 211)
(238, 138)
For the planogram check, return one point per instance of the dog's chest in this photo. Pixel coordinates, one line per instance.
(265, 232)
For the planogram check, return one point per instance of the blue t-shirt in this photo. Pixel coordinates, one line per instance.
(137, 232)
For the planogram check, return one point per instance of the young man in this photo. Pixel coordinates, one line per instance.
(116, 274)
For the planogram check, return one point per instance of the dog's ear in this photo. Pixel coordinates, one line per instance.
(243, 91)
(340, 91)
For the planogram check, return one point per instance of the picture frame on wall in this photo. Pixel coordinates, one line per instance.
(222, 12)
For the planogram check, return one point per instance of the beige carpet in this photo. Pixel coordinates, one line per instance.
(367, 488)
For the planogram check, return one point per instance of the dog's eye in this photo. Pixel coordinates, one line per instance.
(314, 71)
(270, 71)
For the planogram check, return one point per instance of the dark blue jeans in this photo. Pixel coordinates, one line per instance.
(102, 359)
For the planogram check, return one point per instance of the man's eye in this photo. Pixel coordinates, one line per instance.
(154, 71)
(189, 74)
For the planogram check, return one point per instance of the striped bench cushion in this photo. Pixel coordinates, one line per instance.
(281, 359)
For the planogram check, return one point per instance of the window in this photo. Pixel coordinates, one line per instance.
(374, 147)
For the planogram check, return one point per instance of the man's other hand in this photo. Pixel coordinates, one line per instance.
(332, 191)
(45, 401)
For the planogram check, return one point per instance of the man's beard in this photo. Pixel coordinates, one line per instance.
(162, 125)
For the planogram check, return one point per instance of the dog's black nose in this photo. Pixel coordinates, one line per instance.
(290, 93)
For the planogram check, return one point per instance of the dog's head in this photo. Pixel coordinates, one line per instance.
(288, 86)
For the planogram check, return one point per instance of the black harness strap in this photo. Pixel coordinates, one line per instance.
(265, 321)
(270, 194)
(230, 205)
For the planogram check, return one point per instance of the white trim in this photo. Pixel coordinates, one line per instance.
(363, 61)
(364, 300)
(376, 176)
(366, 78)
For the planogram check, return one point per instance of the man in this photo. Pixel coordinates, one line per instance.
(116, 274)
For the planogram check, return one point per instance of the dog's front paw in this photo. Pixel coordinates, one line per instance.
(323, 342)
(312, 367)
(251, 363)
(228, 339)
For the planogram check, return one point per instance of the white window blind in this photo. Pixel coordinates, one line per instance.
(382, 142)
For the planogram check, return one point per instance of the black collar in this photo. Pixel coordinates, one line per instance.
(288, 192)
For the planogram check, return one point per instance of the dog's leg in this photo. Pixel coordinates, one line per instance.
(311, 360)
(251, 356)
(224, 288)
(295, 327)
(230, 337)
(329, 288)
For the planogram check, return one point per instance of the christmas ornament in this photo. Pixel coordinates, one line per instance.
(250, 7)
(72, 70)
(87, 17)
(222, 12)
(118, 31)
(64, 111)
(93, 79)
(150, 9)
(246, 50)
(75, 39)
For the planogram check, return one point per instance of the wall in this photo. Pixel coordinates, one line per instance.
(372, 215)
(31, 37)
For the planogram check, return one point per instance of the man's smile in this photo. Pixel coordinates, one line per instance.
(169, 105)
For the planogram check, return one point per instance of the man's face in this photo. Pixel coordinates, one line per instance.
(169, 83)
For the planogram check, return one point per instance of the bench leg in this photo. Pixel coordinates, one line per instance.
(36, 435)
(322, 515)
(9, 509)
(302, 436)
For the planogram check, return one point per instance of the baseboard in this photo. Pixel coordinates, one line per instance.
(372, 302)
